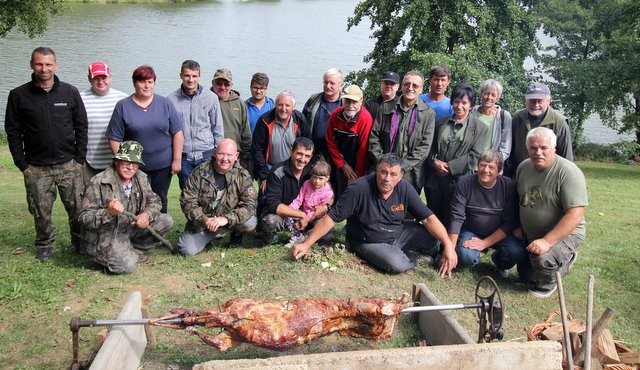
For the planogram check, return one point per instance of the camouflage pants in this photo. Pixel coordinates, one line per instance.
(42, 184)
(540, 269)
(118, 250)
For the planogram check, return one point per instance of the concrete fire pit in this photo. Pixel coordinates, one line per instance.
(451, 348)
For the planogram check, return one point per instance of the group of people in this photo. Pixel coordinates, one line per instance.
(491, 180)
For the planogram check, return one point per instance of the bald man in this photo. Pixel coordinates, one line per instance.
(218, 197)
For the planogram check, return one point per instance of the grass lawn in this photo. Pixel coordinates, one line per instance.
(38, 300)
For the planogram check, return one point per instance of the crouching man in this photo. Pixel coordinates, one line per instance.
(375, 207)
(218, 197)
(113, 239)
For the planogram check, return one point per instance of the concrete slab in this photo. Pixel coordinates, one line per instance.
(540, 355)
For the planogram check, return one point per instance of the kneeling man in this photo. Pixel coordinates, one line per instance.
(484, 213)
(113, 239)
(374, 207)
(553, 196)
(218, 197)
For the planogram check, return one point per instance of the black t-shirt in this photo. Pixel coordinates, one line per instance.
(372, 219)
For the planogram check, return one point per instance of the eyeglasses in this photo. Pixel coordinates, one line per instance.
(222, 83)
(258, 88)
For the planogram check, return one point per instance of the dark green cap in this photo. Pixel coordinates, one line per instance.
(130, 151)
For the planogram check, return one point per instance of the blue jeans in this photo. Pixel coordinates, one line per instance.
(391, 257)
(508, 252)
(188, 166)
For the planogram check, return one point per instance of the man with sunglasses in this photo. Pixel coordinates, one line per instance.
(234, 114)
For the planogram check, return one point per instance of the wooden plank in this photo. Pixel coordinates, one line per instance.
(124, 345)
(629, 357)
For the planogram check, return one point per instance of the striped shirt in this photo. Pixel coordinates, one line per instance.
(99, 110)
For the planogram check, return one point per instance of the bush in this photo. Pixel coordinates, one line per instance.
(620, 152)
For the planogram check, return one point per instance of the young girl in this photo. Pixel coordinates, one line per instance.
(314, 192)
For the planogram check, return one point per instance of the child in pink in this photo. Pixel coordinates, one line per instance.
(314, 192)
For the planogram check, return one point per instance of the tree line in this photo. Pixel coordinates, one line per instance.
(593, 67)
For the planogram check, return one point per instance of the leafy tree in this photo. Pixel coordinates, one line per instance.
(595, 64)
(477, 39)
(30, 16)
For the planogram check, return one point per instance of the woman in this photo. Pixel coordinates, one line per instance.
(497, 120)
(457, 143)
(153, 121)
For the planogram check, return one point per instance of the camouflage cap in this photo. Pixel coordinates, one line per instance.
(130, 151)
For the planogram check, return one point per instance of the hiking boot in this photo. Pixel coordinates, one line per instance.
(44, 254)
(142, 258)
(541, 292)
(271, 239)
(503, 273)
(235, 240)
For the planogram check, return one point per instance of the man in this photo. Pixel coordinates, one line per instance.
(112, 238)
(348, 138)
(389, 85)
(439, 79)
(375, 207)
(283, 185)
(553, 197)
(219, 196)
(320, 106)
(259, 103)
(484, 213)
(99, 101)
(234, 114)
(274, 135)
(405, 126)
(538, 113)
(46, 125)
(201, 117)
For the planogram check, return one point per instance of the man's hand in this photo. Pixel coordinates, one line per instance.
(214, 223)
(539, 246)
(475, 244)
(142, 220)
(441, 167)
(263, 186)
(114, 207)
(448, 262)
(176, 166)
(301, 224)
(300, 250)
(320, 211)
(349, 173)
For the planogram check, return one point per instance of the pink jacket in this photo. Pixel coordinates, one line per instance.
(309, 198)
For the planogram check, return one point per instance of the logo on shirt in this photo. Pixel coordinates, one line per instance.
(397, 207)
(529, 198)
(59, 104)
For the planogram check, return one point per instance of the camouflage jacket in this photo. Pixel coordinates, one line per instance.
(105, 186)
(198, 199)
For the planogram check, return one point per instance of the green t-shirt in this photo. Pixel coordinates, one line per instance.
(544, 196)
(490, 122)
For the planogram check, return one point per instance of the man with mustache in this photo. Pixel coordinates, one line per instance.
(348, 138)
(538, 113)
(553, 197)
(112, 239)
(376, 207)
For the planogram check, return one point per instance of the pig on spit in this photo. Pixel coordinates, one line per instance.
(282, 325)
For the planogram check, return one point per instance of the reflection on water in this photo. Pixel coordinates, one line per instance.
(293, 41)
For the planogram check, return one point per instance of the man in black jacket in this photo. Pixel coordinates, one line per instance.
(46, 126)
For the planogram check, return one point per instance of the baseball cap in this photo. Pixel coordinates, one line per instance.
(97, 69)
(224, 74)
(390, 76)
(537, 90)
(130, 151)
(353, 92)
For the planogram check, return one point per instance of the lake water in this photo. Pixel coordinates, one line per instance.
(293, 41)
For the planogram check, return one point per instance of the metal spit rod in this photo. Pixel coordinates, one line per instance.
(443, 307)
(92, 323)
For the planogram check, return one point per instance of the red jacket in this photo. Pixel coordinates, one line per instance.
(349, 142)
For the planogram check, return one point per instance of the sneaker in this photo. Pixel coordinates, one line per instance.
(235, 240)
(44, 254)
(271, 239)
(542, 293)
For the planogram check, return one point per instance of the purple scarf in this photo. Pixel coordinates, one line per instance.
(395, 122)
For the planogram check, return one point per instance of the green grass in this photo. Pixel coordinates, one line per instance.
(38, 300)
